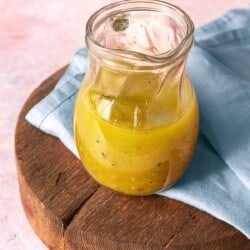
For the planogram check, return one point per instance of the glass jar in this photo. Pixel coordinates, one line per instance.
(136, 115)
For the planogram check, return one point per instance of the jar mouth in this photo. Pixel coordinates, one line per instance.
(138, 30)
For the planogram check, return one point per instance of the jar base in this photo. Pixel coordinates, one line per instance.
(139, 194)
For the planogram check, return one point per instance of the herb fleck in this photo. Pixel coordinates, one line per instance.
(120, 24)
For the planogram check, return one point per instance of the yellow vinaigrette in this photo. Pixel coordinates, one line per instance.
(135, 159)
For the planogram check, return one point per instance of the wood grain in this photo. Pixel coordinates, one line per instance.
(68, 210)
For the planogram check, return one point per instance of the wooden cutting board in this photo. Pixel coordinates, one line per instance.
(68, 210)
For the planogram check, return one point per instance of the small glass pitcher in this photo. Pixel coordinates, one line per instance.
(136, 114)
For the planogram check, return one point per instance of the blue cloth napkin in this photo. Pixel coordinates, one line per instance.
(218, 179)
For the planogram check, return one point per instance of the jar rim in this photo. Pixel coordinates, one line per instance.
(164, 58)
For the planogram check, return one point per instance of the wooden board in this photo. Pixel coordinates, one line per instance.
(68, 210)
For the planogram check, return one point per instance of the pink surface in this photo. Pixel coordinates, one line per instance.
(37, 38)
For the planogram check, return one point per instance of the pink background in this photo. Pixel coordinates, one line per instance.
(36, 39)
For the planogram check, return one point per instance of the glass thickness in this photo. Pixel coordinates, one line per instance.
(136, 115)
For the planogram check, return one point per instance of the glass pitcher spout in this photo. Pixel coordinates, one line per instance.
(140, 33)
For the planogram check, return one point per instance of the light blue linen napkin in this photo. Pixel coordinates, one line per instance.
(218, 179)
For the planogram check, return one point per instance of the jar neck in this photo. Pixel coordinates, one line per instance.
(121, 35)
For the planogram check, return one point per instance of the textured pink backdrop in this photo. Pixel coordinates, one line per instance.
(37, 38)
